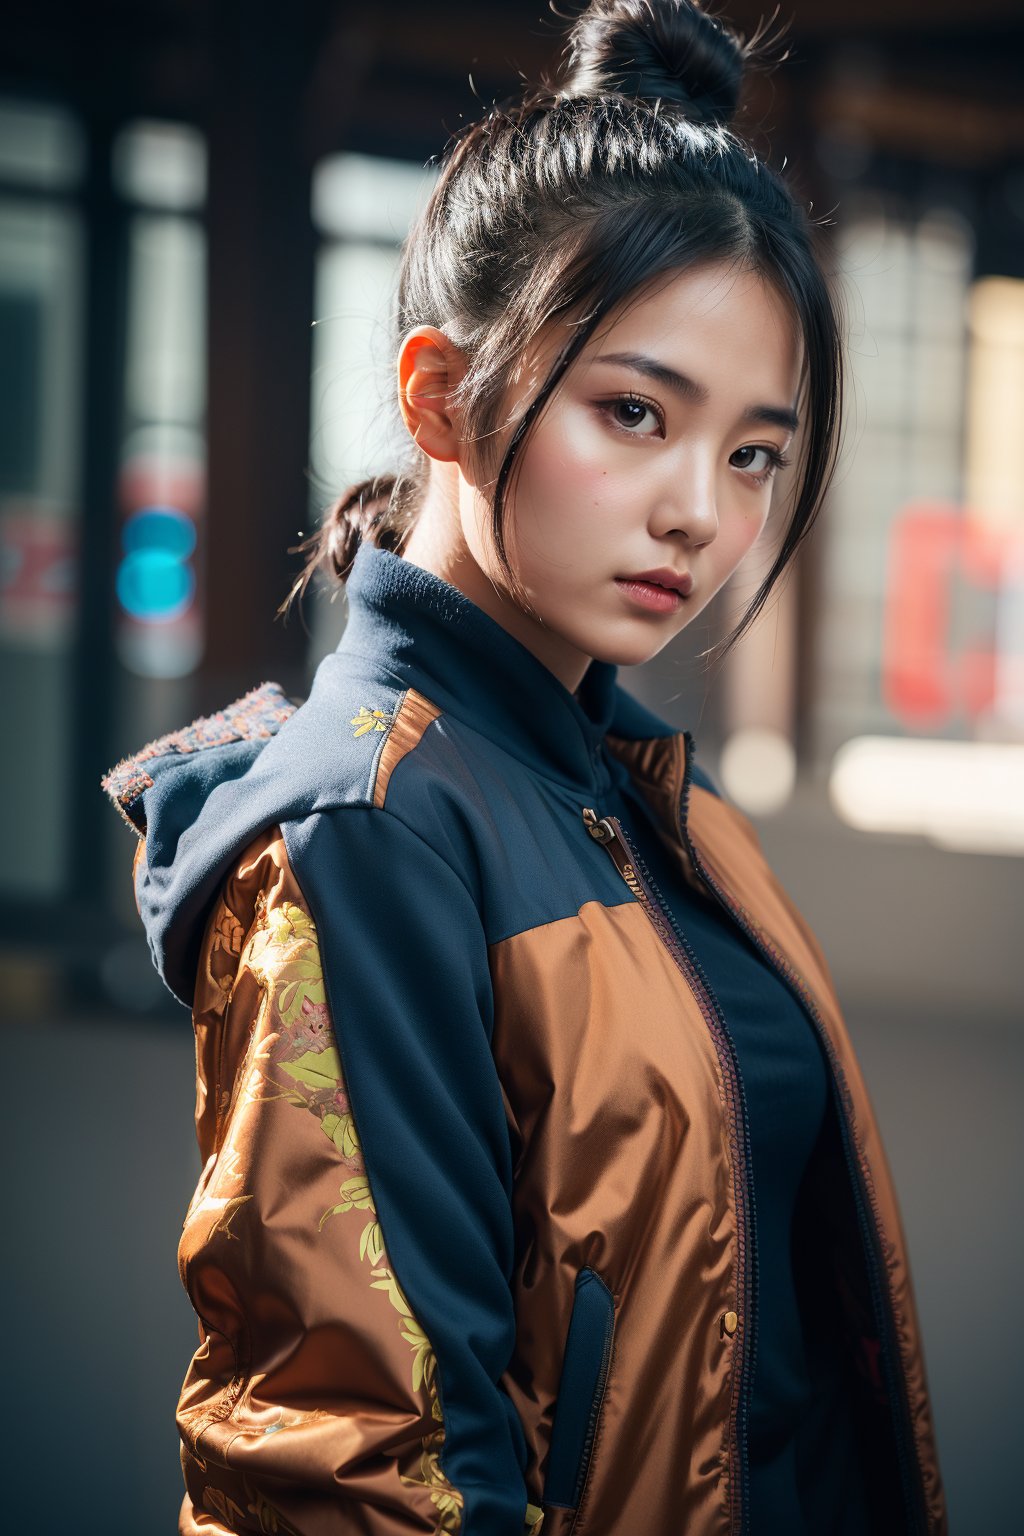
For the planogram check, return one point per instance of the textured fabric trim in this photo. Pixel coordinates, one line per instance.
(413, 716)
(260, 713)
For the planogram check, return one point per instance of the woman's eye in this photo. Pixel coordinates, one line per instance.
(634, 416)
(759, 462)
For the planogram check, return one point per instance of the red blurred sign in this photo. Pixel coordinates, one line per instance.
(38, 573)
(157, 637)
(934, 551)
(151, 479)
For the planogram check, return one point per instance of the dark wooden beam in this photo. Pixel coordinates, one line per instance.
(260, 306)
(911, 120)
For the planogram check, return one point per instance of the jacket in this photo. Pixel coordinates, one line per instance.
(472, 1246)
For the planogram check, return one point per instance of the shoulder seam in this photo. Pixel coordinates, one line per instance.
(382, 810)
(413, 715)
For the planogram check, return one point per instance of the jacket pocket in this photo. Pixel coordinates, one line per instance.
(588, 1348)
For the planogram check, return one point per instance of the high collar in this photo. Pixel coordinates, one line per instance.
(431, 637)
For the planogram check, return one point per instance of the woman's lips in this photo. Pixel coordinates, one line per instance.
(657, 591)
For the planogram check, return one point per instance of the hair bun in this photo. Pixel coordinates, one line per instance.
(656, 49)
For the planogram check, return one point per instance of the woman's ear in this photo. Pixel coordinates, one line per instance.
(429, 369)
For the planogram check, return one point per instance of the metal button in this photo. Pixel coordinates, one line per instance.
(730, 1322)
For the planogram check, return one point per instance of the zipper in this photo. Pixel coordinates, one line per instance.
(609, 832)
(862, 1188)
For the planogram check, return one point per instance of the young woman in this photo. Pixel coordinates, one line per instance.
(540, 1188)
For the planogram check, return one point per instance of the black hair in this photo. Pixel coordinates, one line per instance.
(620, 170)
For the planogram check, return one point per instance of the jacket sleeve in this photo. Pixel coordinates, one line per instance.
(350, 1246)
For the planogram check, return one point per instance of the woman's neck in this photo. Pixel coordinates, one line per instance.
(438, 544)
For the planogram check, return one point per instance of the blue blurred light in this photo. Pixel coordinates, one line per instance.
(153, 585)
(159, 528)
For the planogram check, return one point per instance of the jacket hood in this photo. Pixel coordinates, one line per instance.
(196, 797)
(199, 795)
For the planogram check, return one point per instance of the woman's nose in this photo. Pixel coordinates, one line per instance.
(687, 503)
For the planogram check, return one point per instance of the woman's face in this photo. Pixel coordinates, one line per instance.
(648, 476)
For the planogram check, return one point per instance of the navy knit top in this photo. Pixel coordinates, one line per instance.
(805, 1477)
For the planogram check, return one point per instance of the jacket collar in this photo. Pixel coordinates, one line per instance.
(431, 637)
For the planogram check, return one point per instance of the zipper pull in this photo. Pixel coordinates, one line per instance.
(607, 831)
(600, 829)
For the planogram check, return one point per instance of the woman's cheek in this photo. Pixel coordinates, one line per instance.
(565, 485)
(758, 519)
(744, 529)
(572, 453)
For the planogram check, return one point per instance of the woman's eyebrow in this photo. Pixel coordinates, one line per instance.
(772, 415)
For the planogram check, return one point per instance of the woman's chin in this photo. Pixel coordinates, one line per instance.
(632, 650)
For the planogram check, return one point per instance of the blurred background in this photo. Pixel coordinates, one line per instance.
(201, 203)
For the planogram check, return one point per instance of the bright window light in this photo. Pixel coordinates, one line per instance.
(161, 165)
(995, 476)
(964, 795)
(367, 197)
(758, 769)
(40, 145)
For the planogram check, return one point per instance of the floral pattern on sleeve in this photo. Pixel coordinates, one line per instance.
(298, 1061)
